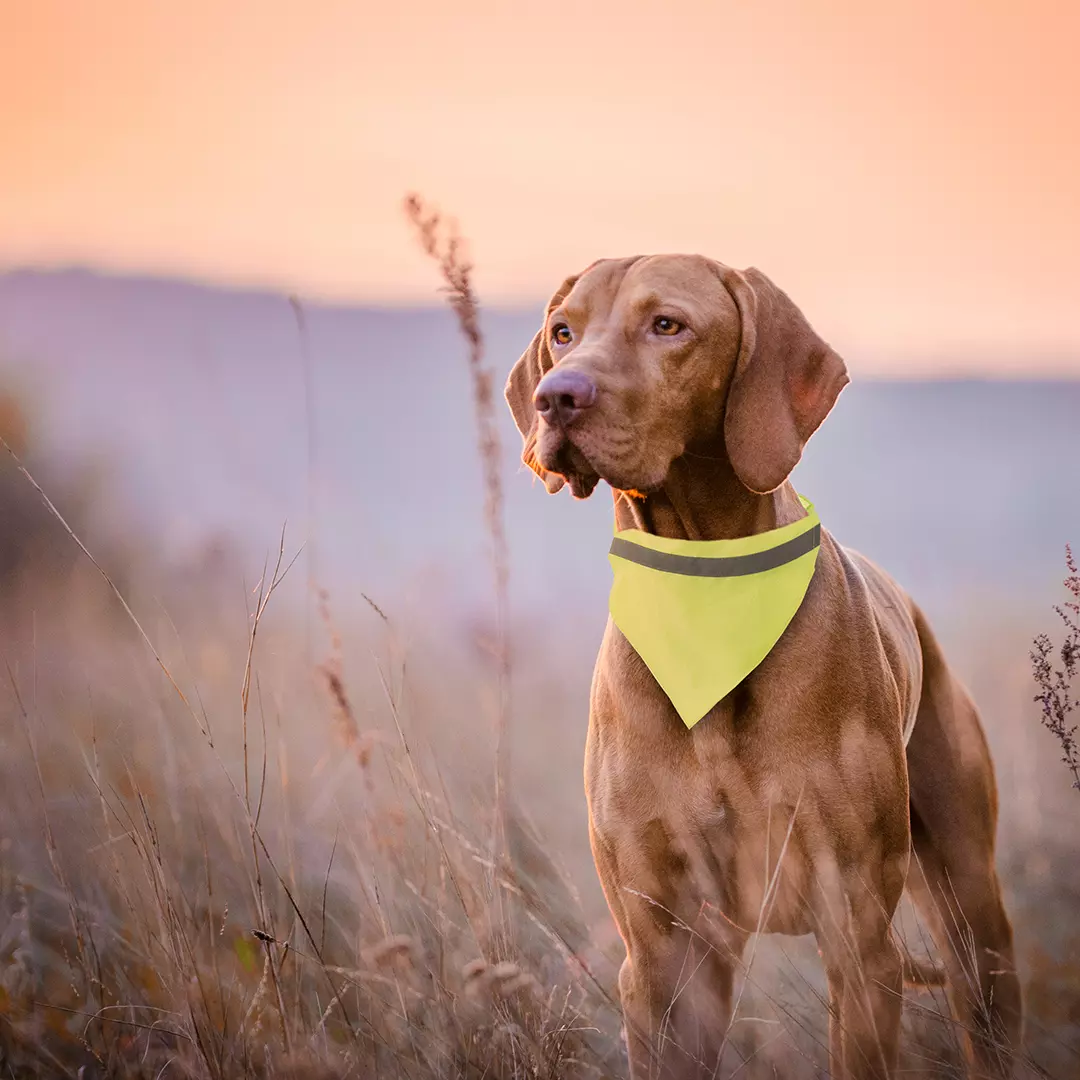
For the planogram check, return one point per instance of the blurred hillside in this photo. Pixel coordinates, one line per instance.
(196, 397)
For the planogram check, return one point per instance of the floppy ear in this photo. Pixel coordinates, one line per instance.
(534, 364)
(785, 382)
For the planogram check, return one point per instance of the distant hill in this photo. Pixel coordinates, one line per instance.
(197, 397)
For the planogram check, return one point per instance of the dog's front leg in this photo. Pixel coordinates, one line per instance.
(676, 982)
(865, 1003)
(866, 982)
(676, 992)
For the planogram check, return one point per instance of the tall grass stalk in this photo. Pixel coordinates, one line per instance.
(441, 241)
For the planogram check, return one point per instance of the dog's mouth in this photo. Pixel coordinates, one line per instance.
(561, 456)
(574, 467)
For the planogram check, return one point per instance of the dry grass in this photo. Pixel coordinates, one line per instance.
(442, 242)
(182, 896)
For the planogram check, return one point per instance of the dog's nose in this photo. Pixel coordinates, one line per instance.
(563, 395)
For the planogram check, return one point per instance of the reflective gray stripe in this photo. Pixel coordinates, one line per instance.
(723, 566)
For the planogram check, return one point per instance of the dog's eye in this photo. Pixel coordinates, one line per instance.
(560, 334)
(666, 326)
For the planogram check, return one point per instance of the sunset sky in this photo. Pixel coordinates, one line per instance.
(909, 172)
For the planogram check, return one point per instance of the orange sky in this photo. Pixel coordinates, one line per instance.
(909, 172)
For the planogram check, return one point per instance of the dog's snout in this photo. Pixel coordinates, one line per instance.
(563, 395)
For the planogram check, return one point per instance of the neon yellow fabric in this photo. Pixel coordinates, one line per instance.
(701, 635)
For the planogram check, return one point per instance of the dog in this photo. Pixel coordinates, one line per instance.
(794, 805)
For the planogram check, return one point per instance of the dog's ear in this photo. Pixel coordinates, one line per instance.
(785, 382)
(536, 361)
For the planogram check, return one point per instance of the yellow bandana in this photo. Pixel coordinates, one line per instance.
(703, 614)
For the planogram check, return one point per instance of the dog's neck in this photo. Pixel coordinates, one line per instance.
(703, 499)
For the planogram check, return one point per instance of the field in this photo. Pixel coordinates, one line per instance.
(248, 816)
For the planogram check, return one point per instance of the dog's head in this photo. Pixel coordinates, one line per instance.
(640, 360)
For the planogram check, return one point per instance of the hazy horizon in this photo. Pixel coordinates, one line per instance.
(928, 362)
(193, 399)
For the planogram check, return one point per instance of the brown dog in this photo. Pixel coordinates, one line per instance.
(793, 806)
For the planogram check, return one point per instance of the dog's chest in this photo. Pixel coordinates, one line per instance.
(697, 832)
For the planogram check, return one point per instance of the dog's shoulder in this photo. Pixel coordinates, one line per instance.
(894, 616)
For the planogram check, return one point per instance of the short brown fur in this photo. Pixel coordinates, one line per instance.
(793, 807)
